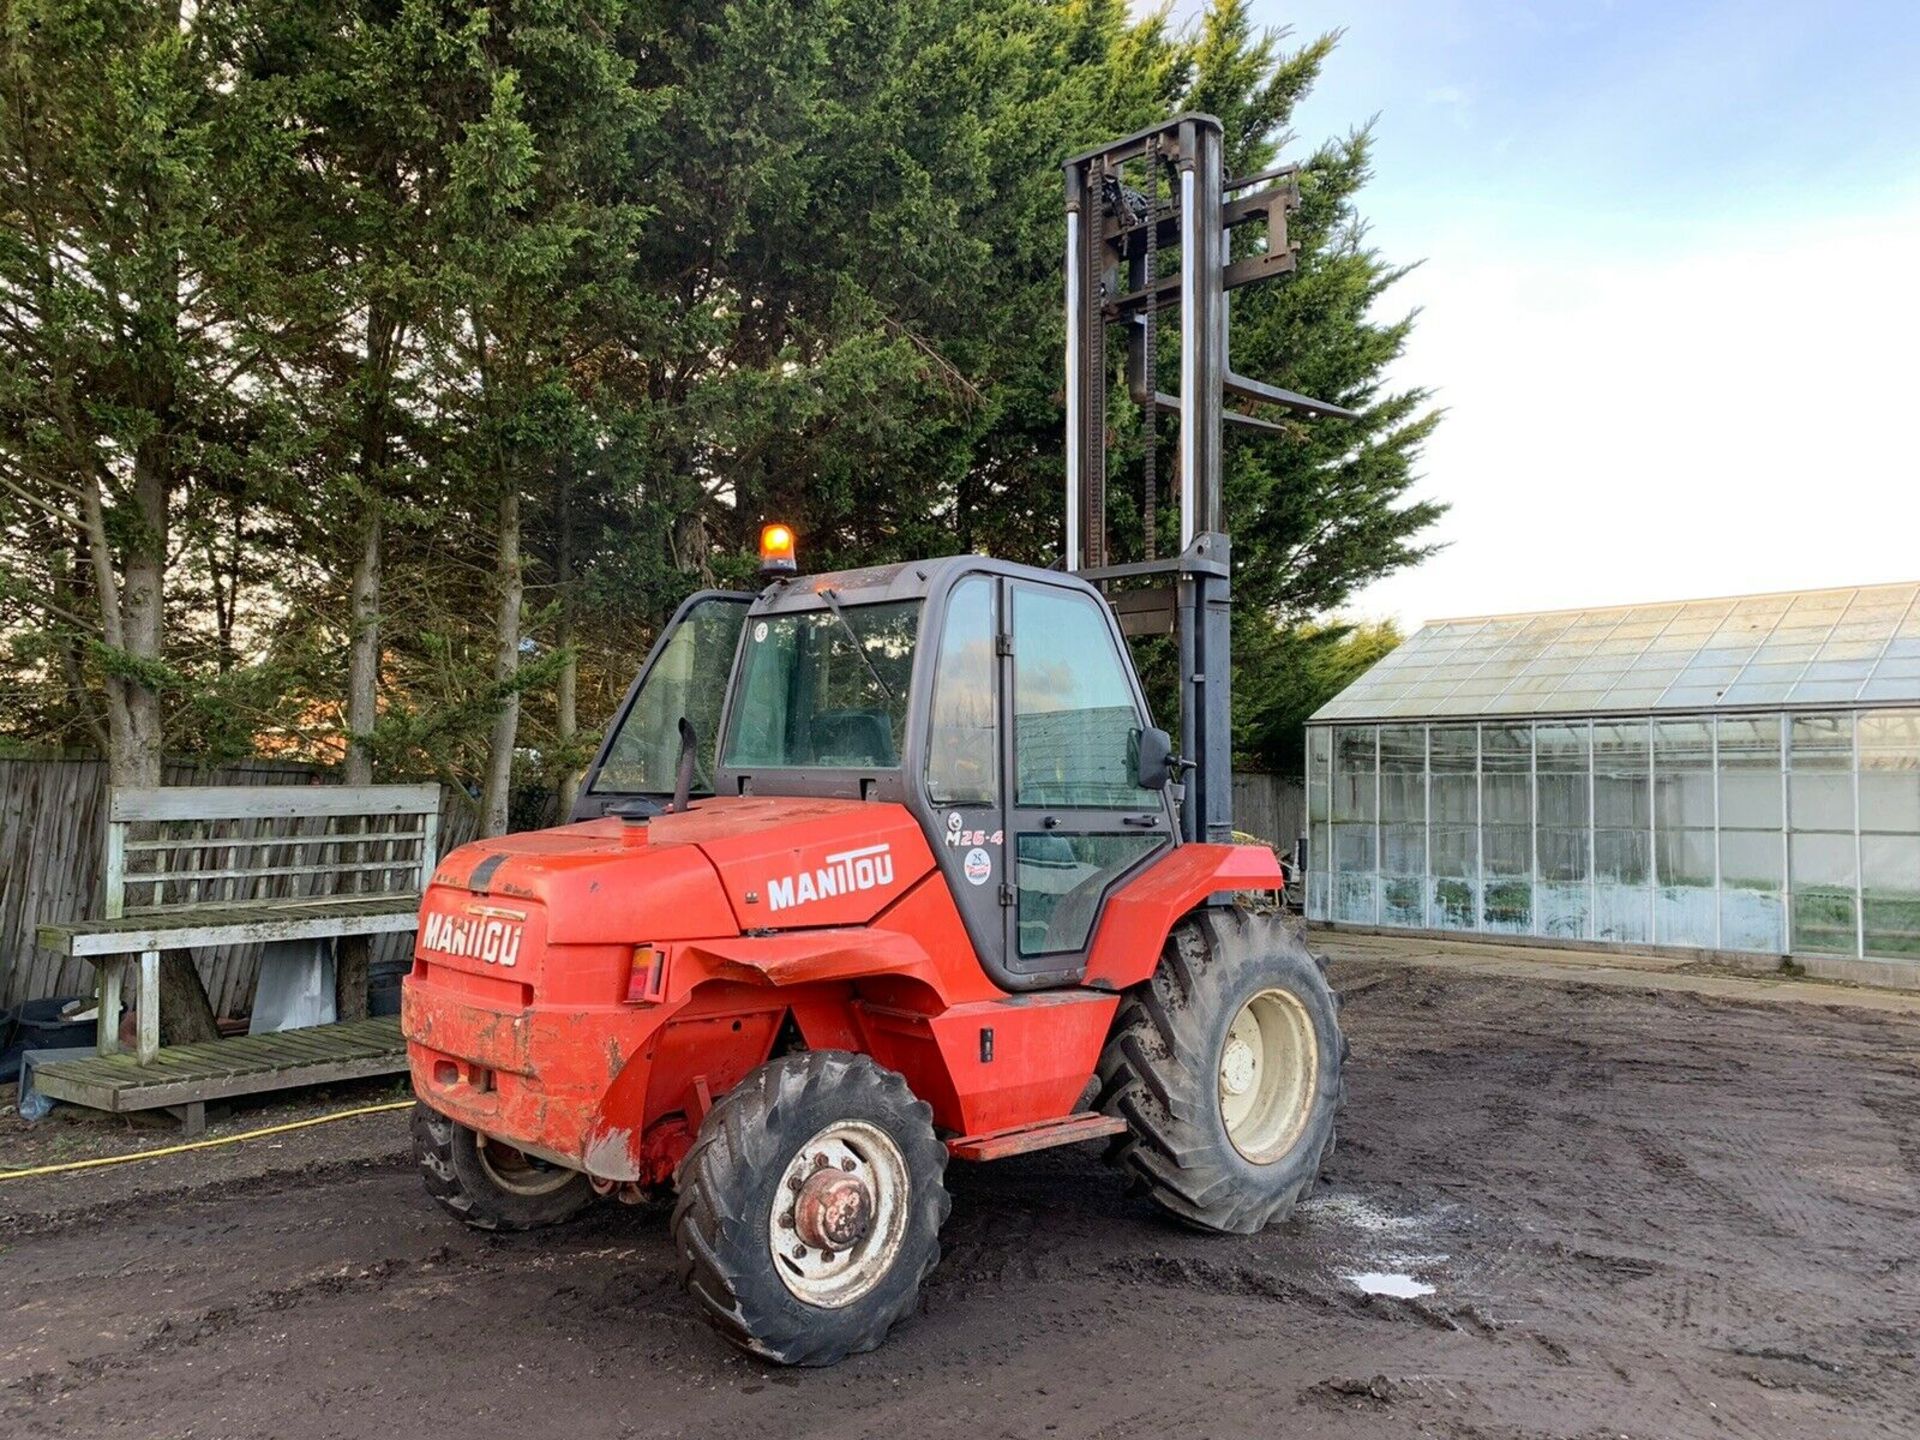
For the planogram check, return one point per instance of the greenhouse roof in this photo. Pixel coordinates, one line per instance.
(1810, 648)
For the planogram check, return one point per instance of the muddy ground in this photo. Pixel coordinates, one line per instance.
(1641, 1214)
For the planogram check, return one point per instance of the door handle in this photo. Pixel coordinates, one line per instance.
(1144, 822)
(1050, 822)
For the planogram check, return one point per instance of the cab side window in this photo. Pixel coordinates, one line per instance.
(1075, 723)
(963, 737)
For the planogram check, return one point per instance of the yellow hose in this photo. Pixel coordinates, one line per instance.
(205, 1144)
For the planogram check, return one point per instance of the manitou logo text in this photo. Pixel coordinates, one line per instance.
(494, 936)
(867, 868)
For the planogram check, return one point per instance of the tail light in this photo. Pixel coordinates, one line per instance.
(647, 981)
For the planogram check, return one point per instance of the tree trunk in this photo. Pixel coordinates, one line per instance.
(186, 1015)
(353, 954)
(384, 331)
(363, 652)
(136, 711)
(352, 973)
(566, 700)
(78, 696)
(565, 723)
(495, 792)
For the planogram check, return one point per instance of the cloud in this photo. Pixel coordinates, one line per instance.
(1659, 420)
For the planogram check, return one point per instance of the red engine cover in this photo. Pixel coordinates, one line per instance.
(831, 912)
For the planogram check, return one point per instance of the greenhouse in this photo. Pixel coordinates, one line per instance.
(1738, 775)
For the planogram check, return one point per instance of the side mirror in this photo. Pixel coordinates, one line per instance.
(1154, 764)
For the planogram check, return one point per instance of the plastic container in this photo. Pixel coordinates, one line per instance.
(41, 1026)
(37, 1026)
(383, 986)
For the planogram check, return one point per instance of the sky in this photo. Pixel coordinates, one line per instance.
(1669, 290)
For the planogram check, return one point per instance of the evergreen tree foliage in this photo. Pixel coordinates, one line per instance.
(375, 377)
(1289, 673)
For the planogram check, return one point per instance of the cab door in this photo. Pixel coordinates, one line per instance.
(965, 764)
(1077, 821)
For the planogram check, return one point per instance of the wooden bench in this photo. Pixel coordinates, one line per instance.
(183, 1078)
(289, 868)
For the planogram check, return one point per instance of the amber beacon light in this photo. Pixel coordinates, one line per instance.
(776, 550)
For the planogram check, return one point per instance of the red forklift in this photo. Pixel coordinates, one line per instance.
(888, 867)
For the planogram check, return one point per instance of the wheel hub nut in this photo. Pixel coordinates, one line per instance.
(1236, 1068)
(833, 1211)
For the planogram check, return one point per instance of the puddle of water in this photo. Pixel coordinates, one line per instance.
(1381, 1282)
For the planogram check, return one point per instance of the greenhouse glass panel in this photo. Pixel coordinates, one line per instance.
(1563, 890)
(1753, 854)
(1403, 822)
(1319, 809)
(1356, 879)
(1686, 902)
(1753, 912)
(1506, 828)
(1823, 848)
(1890, 772)
(1622, 810)
(1750, 787)
(1453, 827)
(1890, 833)
(1824, 878)
(1890, 895)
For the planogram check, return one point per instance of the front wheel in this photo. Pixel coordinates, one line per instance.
(810, 1208)
(1226, 1068)
(490, 1185)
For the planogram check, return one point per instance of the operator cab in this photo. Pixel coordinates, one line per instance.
(996, 702)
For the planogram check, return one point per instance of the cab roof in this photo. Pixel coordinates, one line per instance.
(878, 584)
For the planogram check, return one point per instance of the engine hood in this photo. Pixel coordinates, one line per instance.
(726, 865)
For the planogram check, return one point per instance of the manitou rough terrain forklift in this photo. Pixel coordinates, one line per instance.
(886, 867)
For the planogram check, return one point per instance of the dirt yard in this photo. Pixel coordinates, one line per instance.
(1640, 1213)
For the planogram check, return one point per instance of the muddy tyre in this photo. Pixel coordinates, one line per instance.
(488, 1185)
(810, 1208)
(1226, 1068)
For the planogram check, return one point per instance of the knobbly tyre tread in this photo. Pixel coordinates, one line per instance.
(460, 1188)
(1158, 1073)
(744, 1146)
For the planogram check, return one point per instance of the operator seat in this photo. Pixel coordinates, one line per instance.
(855, 738)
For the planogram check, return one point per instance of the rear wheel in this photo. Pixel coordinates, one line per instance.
(1226, 1068)
(489, 1184)
(810, 1208)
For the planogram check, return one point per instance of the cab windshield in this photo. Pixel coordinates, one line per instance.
(824, 689)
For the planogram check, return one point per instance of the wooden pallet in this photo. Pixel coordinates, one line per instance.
(184, 1077)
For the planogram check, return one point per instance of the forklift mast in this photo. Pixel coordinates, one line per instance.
(1129, 202)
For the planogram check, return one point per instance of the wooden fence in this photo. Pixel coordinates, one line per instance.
(52, 834)
(52, 818)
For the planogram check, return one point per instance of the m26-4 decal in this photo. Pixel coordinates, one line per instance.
(958, 835)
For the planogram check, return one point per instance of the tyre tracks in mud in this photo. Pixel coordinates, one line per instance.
(1639, 1216)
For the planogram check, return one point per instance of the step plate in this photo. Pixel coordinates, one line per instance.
(1018, 1141)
